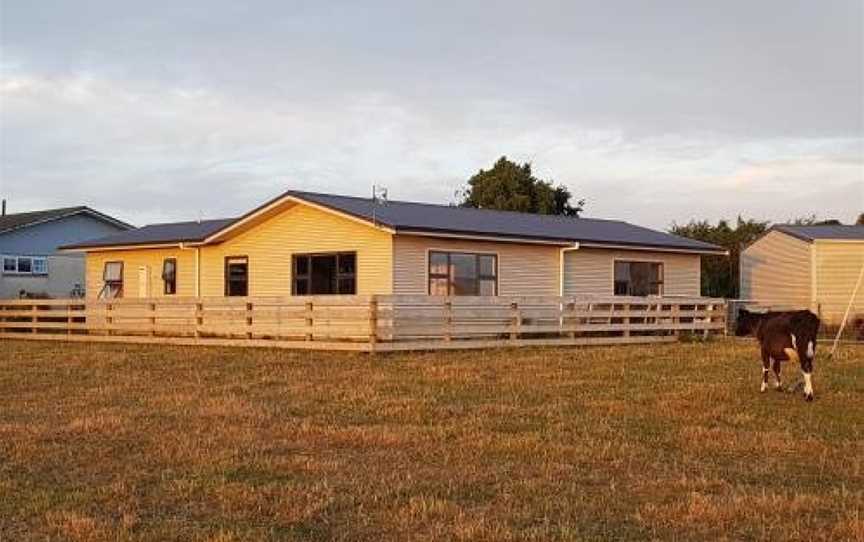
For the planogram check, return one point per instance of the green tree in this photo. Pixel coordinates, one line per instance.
(720, 276)
(812, 220)
(509, 186)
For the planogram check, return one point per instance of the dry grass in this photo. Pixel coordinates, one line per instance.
(108, 442)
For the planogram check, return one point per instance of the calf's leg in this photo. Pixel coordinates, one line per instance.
(806, 355)
(766, 366)
(776, 366)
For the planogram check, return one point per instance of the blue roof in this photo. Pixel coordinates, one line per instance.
(407, 217)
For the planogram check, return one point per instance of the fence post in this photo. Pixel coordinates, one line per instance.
(199, 318)
(68, 318)
(626, 319)
(109, 320)
(515, 320)
(571, 308)
(152, 319)
(248, 320)
(33, 318)
(309, 321)
(448, 320)
(373, 322)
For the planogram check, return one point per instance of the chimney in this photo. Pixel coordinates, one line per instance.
(3, 212)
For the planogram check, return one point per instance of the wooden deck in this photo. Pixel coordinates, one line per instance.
(365, 323)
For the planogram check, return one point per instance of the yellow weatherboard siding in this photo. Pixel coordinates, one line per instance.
(776, 271)
(138, 261)
(523, 269)
(591, 271)
(838, 265)
(300, 229)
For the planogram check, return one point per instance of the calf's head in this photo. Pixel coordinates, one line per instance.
(746, 323)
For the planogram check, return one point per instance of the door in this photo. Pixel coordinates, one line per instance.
(143, 281)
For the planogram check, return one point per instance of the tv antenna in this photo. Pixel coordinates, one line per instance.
(379, 197)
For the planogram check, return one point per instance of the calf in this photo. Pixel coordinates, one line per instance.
(783, 336)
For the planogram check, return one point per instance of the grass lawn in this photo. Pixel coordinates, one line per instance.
(670, 442)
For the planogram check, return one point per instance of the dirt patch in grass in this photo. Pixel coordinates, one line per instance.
(114, 442)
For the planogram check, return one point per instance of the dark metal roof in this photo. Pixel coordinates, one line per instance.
(154, 234)
(404, 216)
(822, 232)
(15, 221)
(423, 217)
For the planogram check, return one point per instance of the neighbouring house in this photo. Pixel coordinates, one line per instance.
(806, 267)
(303, 243)
(28, 249)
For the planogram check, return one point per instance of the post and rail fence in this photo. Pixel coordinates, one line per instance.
(366, 323)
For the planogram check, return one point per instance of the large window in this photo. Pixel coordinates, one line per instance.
(169, 276)
(638, 278)
(237, 276)
(25, 265)
(112, 276)
(323, 274)
(462, 273)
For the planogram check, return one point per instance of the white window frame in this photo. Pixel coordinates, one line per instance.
(17, 259)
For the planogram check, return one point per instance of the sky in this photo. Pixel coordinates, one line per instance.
(654, 112)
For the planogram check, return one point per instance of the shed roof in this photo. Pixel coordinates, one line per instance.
(15, 221)
(827, 232)
(412, 217)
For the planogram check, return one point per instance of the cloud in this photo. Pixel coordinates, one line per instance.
(655, 114)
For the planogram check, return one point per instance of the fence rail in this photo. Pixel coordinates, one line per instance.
(369, 323)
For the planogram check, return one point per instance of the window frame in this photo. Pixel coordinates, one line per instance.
(307, 277)
(228, 260)
(115, 287)
(448, 275)
(661, 283)
(17, 265)
(172, 290)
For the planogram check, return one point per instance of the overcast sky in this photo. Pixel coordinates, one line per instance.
(157, 111)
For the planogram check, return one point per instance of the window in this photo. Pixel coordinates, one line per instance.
(237, 276)
(112, 276)
(169, 276)
(40, 266)
(462, 273)
(324, 274)
(638, 278)
(25, 265)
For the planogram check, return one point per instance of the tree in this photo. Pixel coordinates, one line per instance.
(509, 186)
(720, 274)
(860, 221)
(812, 220)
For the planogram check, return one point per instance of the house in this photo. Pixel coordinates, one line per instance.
(806, 267)
(28, 248)
(303, 243)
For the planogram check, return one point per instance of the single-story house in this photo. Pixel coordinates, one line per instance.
(29, 249)
(304, 243)
(805, 267)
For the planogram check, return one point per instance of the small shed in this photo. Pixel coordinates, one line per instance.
(806, 267)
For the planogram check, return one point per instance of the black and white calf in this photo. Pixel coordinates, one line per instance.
(783, 336)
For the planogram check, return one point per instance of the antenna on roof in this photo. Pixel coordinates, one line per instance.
(199, 216)
(379, 197)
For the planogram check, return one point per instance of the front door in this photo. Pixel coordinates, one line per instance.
(143, 281)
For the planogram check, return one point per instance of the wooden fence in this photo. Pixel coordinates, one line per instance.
(367, 323)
